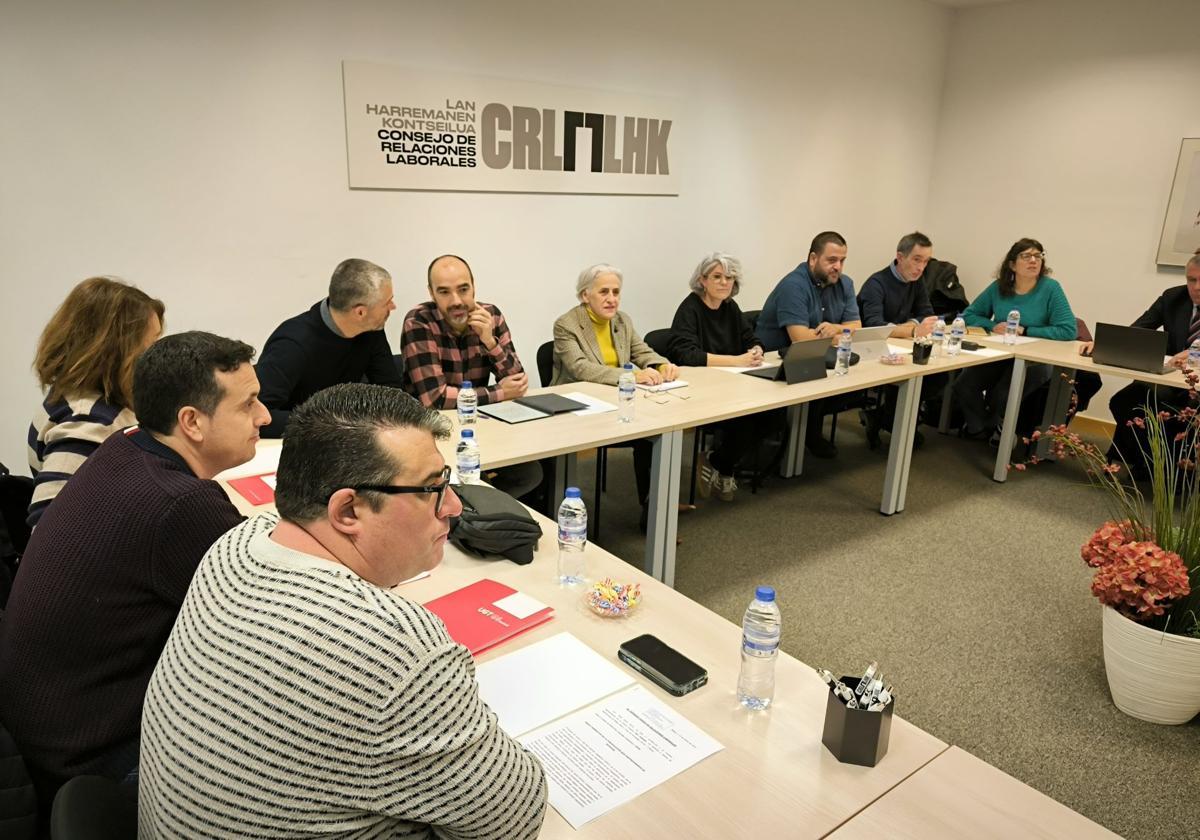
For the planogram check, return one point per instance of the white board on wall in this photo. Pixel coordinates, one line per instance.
(413, 129)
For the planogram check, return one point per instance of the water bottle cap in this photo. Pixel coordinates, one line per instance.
(764, 593)
(572, 492)
(467, 383)
(845, 331)
(629, 366)
(468, 433)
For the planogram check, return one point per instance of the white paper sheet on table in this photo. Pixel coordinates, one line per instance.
(984, 351)
(999, 339)
(744, 369)
(613, 751)
(265, 460)
(546, 680)
(594, 405)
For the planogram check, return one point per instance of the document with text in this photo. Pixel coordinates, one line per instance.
(613, 751)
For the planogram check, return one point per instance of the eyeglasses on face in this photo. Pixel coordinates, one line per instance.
(1031, 256)
(399, 489)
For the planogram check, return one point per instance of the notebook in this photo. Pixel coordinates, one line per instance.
(551, 403)
(486, 613)
(511, 411)
(1131, 347)
(802, 361)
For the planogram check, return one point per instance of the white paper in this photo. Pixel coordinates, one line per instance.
(594, 406)
(269, 480)
(519, 605)
(999, 339)
(265, 460)
(744, 369)
(983, 351)
(546, 680)
(665, 386)
(613, 751)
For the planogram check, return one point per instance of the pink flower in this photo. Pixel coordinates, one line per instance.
(1104, 546)
(1139, 578)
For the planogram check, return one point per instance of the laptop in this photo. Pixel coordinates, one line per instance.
(872, 342)
(802, 361)
(1131, 347)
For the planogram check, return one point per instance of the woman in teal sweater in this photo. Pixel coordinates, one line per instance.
(1023, 283)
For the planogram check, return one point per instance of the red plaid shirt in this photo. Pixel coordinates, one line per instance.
(437, 360)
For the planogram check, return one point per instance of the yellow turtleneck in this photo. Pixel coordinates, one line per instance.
(608, 351)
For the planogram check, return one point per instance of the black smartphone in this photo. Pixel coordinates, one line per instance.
(971, 345)
(664, 665)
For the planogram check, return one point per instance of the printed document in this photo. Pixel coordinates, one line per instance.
(613, 751)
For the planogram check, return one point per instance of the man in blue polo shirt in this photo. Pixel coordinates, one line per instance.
(814, 300)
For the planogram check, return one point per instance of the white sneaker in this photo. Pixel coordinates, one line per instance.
(706, 477)
(726, 486)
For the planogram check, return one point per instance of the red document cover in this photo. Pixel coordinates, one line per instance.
(474, 620)
(254, 489)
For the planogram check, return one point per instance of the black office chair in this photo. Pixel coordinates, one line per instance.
(94, 808)
(15, 493)
(750, 318)
(660, 342)
(545, 363)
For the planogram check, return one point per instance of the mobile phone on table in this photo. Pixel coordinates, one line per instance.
(665, 666)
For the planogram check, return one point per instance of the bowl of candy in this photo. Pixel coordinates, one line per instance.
(610, 599)
(893, 359)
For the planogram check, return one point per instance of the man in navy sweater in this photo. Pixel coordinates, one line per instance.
(340, 339)
(105, 572)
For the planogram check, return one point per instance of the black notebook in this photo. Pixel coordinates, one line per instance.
(551, 403)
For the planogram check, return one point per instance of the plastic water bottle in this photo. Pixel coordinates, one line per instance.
(1010, 329)
(626, 391)
(467, 403)
(842, 366)
(572, 538)
(939, 338)
(957, 330)
(468, 458)
(1193, 361)
(762, 627)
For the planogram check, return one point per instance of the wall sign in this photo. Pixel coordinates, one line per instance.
(410, 129)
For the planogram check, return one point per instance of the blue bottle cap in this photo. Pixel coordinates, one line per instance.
(629, 366)
(572, 492)
(466, 384)
(764, 593)
(468, 433)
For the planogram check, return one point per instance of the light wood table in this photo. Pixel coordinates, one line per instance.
(958, 795)
(774, 778)
(1064, 357)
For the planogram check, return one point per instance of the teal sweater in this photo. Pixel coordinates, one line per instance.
(1045, 312)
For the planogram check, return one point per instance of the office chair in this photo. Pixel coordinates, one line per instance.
(18, 799)
(94, 808)
(15, 494)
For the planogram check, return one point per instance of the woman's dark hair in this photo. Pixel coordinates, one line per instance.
(1006, 278)
(180, 370)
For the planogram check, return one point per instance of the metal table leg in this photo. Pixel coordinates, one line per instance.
(1008, 429)
(663, 520)
(904, 426)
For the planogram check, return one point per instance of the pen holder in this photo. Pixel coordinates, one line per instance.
(856, 736)
(921, 354)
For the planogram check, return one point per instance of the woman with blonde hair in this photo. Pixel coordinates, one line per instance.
(84, 363)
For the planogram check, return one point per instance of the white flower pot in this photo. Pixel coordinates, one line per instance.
(1153, 676)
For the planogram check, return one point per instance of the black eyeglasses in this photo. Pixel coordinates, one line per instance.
(395, 489)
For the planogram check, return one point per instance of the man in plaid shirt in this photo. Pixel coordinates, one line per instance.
(452, 339)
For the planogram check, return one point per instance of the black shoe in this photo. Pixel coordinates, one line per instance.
(820, 448)
(870, 419)
(967, 434)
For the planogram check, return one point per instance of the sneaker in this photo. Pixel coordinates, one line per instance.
(706, 477)
(726, 487)
(819, 447)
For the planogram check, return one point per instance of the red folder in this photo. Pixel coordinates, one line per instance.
(473, 620)
(254, 489)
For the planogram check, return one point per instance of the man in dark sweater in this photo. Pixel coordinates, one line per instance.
(108, 566)
(896, 295)
(340, 339)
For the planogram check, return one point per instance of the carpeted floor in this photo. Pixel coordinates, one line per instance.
(974, 601)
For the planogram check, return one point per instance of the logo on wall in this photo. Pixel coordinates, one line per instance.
(408, 129)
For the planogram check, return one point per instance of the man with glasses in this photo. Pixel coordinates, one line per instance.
(452, 339)
(302, 686)
(340, 339)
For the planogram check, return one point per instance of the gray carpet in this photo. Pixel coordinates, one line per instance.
(974, 601)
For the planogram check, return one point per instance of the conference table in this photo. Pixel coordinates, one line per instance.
(1064, 357)
(773, 777)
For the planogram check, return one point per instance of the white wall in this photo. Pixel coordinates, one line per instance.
(198, 150)
(1062, 120)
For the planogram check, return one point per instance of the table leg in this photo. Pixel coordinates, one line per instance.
(564, 477)
(904, 425)
(1008, 430)
(663, 520)
(1058, 403)
(793, 460)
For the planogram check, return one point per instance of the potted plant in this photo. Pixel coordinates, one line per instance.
(1147, 561)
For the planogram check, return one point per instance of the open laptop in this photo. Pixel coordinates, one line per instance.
(1131, 347)
(871, 342)
(802, 362)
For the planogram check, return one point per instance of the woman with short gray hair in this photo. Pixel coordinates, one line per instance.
(709, 330)
(595, 340)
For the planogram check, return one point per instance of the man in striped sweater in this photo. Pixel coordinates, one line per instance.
(299, 695)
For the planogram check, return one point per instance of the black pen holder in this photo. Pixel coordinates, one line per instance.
(921, 354)
(856, 736)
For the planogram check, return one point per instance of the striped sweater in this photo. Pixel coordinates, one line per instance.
(62, 436)
(294, 699)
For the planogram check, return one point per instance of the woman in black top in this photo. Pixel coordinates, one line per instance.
(708, 330)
